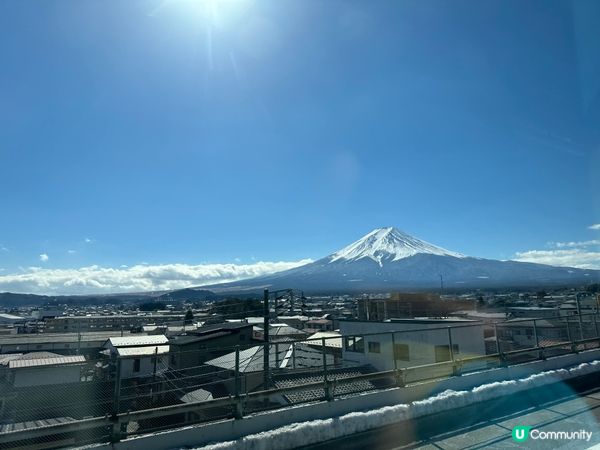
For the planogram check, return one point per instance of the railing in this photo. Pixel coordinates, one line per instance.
(121, 406)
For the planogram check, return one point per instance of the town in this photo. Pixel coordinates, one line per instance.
(167, 364)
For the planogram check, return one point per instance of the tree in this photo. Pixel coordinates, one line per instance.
(189, 317)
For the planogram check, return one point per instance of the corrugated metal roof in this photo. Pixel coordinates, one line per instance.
(190, 339)
(333, 339)
(281, 356)
(7, 427)
(143, 351)
(199, 395)
(47, 338)
(5, 359)
(136, 341)
(62, 360)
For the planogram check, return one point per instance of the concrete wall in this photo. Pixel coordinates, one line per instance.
(421, 344)
(226, 430)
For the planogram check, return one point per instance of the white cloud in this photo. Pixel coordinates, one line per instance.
(87, 240)
(96, 279)
(595, 226)
(577, 243)
(572, 257)
(71, 252)
(4, 249)
(44, 257)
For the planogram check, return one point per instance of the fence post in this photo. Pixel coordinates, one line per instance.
(537, 341)
(498, 350)
(455, 365)
(116, 426)
(328, 393)
(238, 413)
(569, 337)
(394, 350)
(450, 344)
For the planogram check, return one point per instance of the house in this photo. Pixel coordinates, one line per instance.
(139, 356)
(279, 332)
(196, 347)
(414, 342)
(322, 324)
(41, 369)
(50, 381)
(282, 356)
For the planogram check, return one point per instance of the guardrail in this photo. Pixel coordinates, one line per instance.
(114, 426)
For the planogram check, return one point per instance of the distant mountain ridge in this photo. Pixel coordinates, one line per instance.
(389, 259)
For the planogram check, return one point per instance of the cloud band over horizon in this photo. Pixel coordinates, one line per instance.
(138, 278)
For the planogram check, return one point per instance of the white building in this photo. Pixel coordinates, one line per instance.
(415, 342)
(41, 369)
(139, 356)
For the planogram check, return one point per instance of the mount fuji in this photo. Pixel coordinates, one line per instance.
(388, 259)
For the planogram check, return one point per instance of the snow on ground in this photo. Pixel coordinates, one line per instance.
(314, 431)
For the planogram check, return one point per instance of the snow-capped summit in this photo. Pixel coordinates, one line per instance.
(388, 244)
(389, 260)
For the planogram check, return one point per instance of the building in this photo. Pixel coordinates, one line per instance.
(110, 322)
(401, 305)
(11, 319)
(139, 356)
(282, 357)
(43, 385)
(535, 312)
(279, 332)
(87, 343)
(41, 369)
(315, 325)
(415, 342)
(198, 346)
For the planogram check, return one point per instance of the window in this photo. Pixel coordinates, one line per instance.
(374, 347)
(136, 365)
(442, 352)
(402, 352)
(355, 344)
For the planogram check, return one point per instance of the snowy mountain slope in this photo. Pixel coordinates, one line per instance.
(388, 244)
(388, 259)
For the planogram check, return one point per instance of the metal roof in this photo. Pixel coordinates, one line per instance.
(281, 356)
(62, 360)
(190, 339)
(220, 326)
(199, 395)
(47, 338)
(332, 339)
(138, 340)
(7, 427)
(143, 351)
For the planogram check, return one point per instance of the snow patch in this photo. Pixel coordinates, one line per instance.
(388, 244)
(311, 432)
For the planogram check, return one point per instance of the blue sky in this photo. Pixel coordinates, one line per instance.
(180, 133)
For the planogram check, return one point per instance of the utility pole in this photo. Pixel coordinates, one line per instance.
(266, 339)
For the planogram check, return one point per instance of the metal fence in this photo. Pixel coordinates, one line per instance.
(117, 397)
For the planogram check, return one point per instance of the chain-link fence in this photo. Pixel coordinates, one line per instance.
(47, 405)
